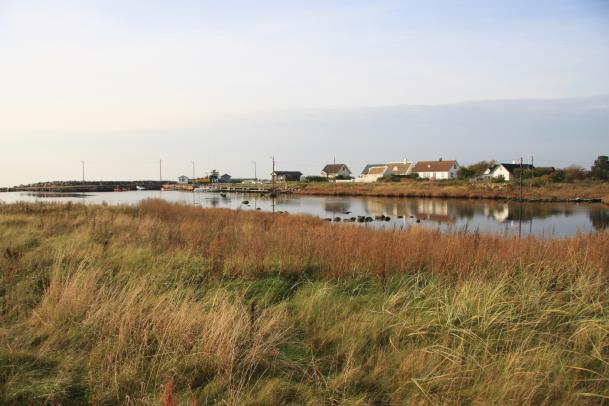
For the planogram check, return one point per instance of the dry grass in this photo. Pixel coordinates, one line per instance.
(167, 303)
(464, 189)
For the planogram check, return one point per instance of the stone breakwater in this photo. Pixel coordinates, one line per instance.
(100, 186)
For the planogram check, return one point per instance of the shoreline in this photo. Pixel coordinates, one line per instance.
(597, 192)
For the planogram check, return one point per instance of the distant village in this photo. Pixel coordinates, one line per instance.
(439, 169)
(395, 171)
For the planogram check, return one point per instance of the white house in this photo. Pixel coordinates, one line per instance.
(183, 180)
(336, 170)
(372, 173)
(436, 170)
(399, 168)
(506, 172)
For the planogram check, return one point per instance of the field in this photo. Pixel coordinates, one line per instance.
(168, 304)
(532, 190)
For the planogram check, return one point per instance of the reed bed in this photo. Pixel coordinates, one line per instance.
(163, 303)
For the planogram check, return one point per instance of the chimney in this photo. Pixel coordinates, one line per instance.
(440, 159)
(405, 161)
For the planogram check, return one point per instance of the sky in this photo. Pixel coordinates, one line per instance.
(122, 85)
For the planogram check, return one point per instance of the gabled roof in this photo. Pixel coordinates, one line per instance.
(433, 166)
(332, 169)
(512, 167)
(377, 170)
(367, 168)
(400, 167)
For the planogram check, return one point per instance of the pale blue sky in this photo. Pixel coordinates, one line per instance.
(123, 84)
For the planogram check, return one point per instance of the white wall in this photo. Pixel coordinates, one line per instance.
(500, 171)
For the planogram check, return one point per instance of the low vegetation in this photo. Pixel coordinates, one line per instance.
(533, 189)
(161, 303)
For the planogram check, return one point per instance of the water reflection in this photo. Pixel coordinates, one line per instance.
(337, 206)
(599, 217)
(542, 219)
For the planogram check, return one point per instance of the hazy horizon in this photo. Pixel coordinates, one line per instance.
(122, 85)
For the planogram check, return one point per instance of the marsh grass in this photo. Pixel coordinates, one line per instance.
(162, 303)
(463, 189)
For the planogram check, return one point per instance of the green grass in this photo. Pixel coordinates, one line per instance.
(149, 304)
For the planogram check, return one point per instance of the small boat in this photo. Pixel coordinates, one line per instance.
(120, 189)
(140, 187)
(203, 189)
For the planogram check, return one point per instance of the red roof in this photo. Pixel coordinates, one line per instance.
(433, 166)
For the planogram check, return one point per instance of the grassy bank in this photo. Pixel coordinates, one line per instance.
(166, 303)
(588, 189)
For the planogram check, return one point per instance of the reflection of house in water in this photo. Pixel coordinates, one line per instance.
(499, 212)
(435, 210)
(431, 206)
(424, 209)
(390, 207)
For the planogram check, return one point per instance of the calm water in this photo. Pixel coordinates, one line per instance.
(541, 219)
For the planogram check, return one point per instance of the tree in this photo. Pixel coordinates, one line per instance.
(600, 169)
(474, 170)
(465, 172)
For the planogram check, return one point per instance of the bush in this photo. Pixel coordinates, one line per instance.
(315, 179)
(389, 178)
(475, 170)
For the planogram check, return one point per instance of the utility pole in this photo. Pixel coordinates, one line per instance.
(255, 171)
(532, 166)
(521, 179)
(273, 174)
(520, 205)
(83, 170)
